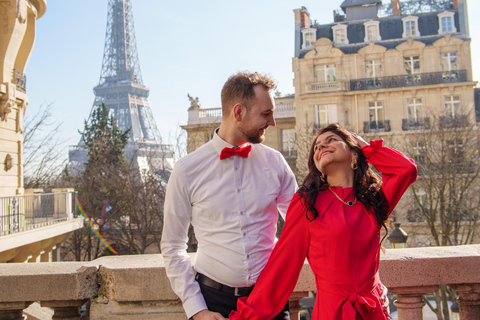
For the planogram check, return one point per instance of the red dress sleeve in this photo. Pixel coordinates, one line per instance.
(398, 171)
(280, 275)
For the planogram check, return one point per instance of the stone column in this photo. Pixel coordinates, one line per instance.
(65, 310)
(13, 310)
(468, 300)
(294, 303)
(410, 302)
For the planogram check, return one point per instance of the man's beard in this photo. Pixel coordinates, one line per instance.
(253, 135)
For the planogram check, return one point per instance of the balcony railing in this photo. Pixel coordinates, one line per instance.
(20, 80)
(26, 212)
(204, 116)
(415, 124)
(330, 86)
(284, 110)
(457, 121)
(136, 287)
(289, 154)
(376, 126)
(420, 79)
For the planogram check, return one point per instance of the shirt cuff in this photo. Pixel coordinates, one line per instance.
(370, 149)
(194, 305)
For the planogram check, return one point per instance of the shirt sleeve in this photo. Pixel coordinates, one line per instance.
(280, 275)
(177, 217)
(289, 186)
(398, 171)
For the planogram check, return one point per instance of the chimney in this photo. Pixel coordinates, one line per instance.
(455, 4)
(396, 7)
(305, 18)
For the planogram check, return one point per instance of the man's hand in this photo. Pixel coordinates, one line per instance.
(207, 315)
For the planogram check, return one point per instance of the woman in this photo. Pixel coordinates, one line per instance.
(335, 220)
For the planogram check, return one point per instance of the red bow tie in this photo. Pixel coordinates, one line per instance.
(228, 152)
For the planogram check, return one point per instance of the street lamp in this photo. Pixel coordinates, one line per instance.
(455, 311)
(398, 237)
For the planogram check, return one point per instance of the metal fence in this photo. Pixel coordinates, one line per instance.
(25, 212)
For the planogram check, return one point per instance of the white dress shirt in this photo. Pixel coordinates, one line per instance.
(233, 205)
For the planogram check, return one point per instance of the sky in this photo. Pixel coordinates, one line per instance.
(184, 47)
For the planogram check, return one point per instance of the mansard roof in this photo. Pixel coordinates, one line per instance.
(391, 31)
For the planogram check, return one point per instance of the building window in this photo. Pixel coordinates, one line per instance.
(375, 114)
(321, 116)
(373, 72)
(309, 37)
(410, 27)
(325, 114)
(453, 107)
(449, 64)
(288, 142)
(421, 201)
(412, 69)
(419, 152)
(414, 112)
(456, 152)
(325, 73)
(372, 31)
(446, 22)
(340, 34)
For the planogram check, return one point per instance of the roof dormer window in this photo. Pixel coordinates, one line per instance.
(372, 31)
(446, 22)
(309, 37)
(340, 34)
(410, 27)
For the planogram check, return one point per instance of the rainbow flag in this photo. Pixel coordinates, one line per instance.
(94, 231)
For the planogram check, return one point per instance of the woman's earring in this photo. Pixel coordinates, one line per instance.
(323, 178)
(353, 164)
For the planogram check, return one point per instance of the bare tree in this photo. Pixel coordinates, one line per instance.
(446, 194)
(44, 155)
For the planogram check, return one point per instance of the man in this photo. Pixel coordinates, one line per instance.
(230, 190)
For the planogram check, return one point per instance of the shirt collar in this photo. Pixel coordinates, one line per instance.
(218, 143)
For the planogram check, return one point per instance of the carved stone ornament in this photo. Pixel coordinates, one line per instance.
(5, 108)
(22, 11)
(194, 103)
(8, 162)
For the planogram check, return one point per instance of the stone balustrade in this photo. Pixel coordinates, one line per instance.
(136, 287)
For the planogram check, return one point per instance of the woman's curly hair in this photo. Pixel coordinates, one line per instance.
(367, 184)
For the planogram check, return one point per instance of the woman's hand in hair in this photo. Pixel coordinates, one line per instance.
(361, 143)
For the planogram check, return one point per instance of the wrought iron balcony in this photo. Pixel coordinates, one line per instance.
(289, 154)
(456, 121)
(376, 126)
(420, 79)
(20, 80)
(27, 212)
(415, 124)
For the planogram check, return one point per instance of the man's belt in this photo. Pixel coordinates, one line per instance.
(206, 281)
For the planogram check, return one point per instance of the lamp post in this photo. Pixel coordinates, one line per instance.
(455, 311)
(398, 237)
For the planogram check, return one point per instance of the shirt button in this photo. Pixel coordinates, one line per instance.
(244, 234)
(241, 212)
(236, 168)
(238, 190)
(248, 257)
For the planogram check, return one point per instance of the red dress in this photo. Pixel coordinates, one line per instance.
(342, 246)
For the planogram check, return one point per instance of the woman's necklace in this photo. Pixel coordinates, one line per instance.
(349, 203)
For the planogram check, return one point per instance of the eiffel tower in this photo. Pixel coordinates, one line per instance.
(122, 90)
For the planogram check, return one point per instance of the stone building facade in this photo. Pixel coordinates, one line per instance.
(17, 36)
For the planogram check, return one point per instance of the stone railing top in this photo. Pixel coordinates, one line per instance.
(429, 266)
(56, 281)
(142, 278)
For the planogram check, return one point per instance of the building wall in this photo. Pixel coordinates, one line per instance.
(17, 35)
